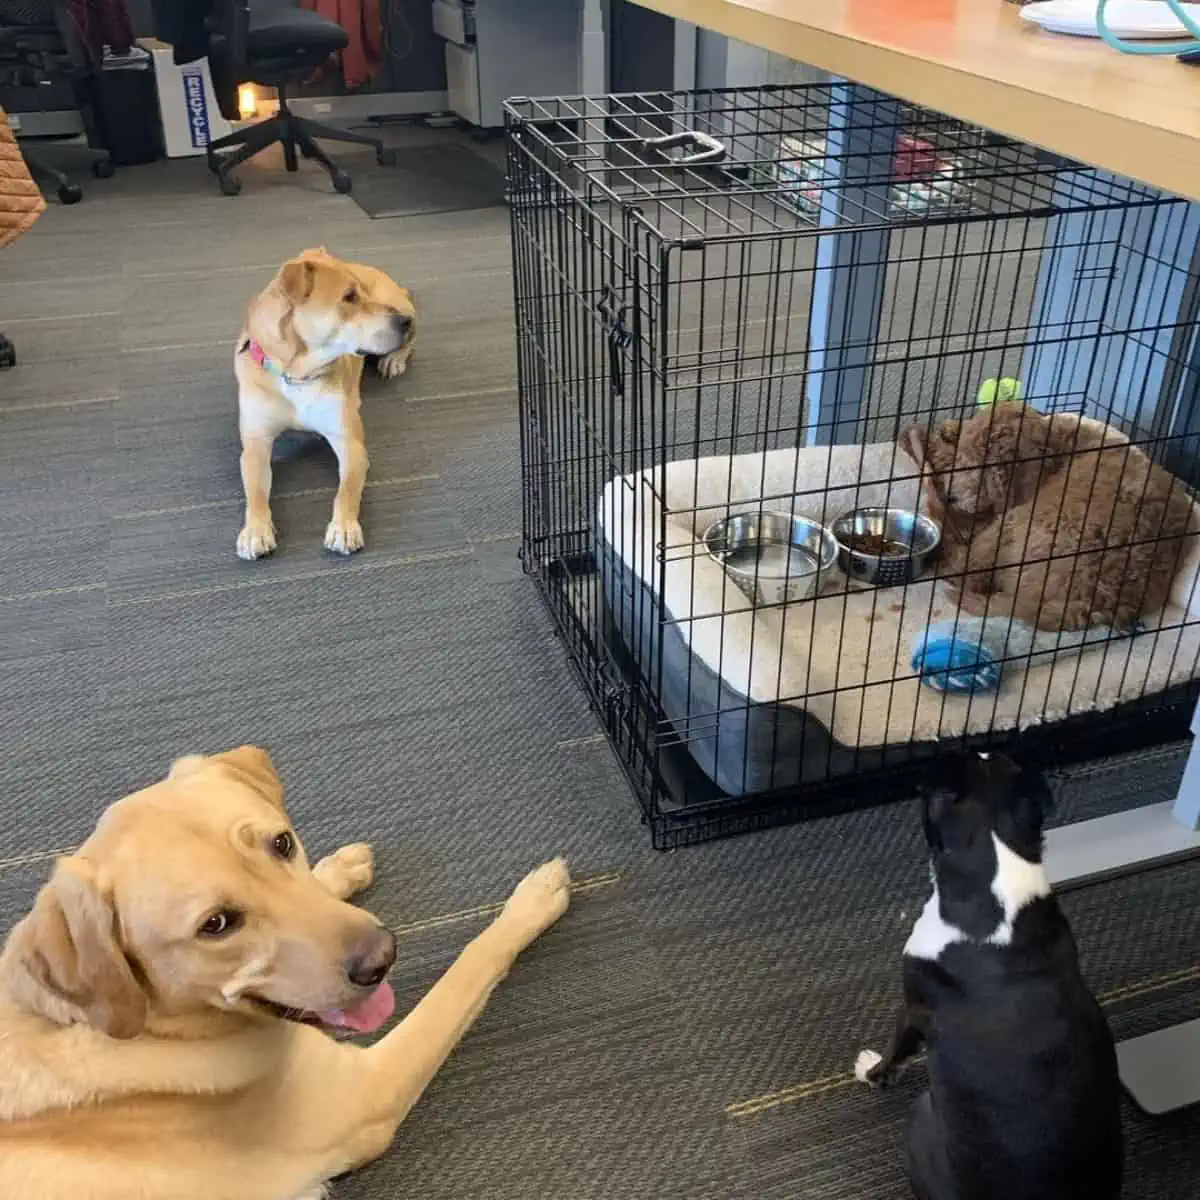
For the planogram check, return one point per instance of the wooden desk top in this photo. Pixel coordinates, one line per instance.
(976, 60)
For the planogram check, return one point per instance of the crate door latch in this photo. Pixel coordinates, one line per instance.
(612, 317)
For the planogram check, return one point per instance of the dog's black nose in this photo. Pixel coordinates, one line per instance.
(373, 959)
(401, 324)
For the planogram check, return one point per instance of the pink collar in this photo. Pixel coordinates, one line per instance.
(258, 356)
(261, 358)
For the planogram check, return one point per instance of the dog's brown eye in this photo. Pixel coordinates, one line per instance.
(350, 296)
(284, 845)
(221, 923)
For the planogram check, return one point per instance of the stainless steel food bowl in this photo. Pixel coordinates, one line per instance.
(773, 557)
(914, 535)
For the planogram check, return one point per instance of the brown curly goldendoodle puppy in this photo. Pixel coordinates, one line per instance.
(1060, 523)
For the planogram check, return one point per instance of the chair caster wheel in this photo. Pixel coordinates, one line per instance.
(103, 168)
(381, 157)
(342, 182)
(229, 185)
(8, 353)
(70, 193)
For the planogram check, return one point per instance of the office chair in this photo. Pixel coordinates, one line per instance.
(44, 69)
(275, 45)
(39, 156)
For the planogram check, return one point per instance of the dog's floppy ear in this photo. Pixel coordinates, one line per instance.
(249, 764)
(69, 964)
(1020, 823)
(942, 786)
(296, 279)
(912, 440)
(1035, 793)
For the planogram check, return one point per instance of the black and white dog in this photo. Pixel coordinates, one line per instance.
(1023, 1099)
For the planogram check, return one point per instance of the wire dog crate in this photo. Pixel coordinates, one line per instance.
(850, 433)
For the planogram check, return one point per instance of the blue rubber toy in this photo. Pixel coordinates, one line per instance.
(966, 655)
(953, 661)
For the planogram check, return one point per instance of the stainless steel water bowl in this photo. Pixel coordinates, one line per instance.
(907, 539)
(774, 557)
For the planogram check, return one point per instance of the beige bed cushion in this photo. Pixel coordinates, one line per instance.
(844, 657)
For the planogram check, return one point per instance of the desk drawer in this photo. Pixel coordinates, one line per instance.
(454, 21)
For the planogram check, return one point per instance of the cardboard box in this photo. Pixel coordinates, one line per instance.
(191, 117)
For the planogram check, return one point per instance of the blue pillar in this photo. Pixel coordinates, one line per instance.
(1113, 285)
(851, 267)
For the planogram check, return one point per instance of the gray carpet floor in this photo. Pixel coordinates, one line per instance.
(686, 1032)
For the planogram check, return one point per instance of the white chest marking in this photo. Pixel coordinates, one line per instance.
(1017, 883)
(931, 935)
(316, 408)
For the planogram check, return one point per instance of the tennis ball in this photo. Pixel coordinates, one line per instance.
(998, 391)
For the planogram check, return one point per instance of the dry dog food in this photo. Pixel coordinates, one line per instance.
(879, 546)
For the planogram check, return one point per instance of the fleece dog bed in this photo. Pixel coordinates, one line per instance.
(773, 697)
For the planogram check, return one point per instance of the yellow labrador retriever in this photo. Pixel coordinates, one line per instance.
(299, 364)
(161, 1008)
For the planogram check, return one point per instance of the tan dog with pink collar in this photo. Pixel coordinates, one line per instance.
(299, 365)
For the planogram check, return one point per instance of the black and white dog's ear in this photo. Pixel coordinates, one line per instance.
(947, 773)
(948, 777)
(946, 781)
(1039, 789)
(1029, 783)
(1032, 801)
(1035, 790)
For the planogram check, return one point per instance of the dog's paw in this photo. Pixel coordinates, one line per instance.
(392, 366)
(256, 540)
(538, 900)
(866, 1067)
(347, 871)
(344, 537)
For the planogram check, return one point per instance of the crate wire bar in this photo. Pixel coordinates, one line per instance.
(745, 301)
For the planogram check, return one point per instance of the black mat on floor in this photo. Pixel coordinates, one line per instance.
(428, 179)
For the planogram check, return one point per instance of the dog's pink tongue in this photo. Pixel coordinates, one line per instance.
(366, 1016)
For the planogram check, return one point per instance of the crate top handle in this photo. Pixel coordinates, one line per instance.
(709, 149)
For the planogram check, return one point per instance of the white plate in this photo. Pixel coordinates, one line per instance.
(1132, 19)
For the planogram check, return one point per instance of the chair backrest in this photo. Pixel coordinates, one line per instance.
(218, 30)
(230, 30)
(48, 19)
(214, 29)
(26, 12)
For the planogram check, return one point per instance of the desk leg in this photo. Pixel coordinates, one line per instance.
(1160, 1070)
(851, 268)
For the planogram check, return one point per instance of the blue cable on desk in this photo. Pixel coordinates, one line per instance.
(1160, 48)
